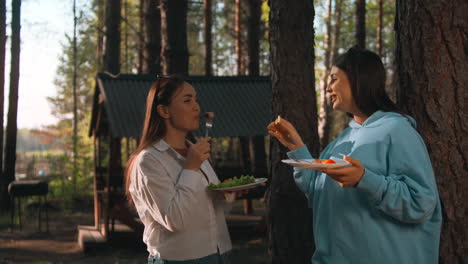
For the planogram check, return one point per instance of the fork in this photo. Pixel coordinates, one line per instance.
(208, 123)
(208, 126)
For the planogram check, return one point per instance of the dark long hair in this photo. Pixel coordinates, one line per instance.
(160, 93)
(366, 74)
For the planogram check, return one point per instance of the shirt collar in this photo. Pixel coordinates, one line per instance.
(162, 146)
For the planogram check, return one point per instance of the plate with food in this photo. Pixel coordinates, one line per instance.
(244, 182)
(316, 164)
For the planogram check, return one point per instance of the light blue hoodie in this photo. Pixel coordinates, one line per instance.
(393, 215)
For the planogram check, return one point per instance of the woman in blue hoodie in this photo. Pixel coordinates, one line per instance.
(384, 207)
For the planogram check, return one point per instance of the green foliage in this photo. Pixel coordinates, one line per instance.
(224, 56)
(130, 35)
(195, 37)
(61, 166)
(224, 62)
(62, 103)
(265, 17)
(236, 181)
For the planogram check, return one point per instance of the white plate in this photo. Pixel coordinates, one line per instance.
(258, 181)
(310, 164)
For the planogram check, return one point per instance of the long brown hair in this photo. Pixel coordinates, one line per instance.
(366, 75)
(160, 93)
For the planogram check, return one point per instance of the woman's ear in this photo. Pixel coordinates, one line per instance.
(163, 111)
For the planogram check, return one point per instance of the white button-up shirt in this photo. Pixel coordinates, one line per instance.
(183, 220)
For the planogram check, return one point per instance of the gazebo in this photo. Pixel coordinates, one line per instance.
(242, 107)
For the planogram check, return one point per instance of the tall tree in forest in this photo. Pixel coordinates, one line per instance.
(360, 23)
(11, 129)
(292, 73)
(246, 143)
(432, 63)
(75, 102)
(335, 40)
(100, 7)
(223, 38)
(339, 120)
(3, 185)
(379, 29)
(253, 36)
(112, 37)
(132, 33)
(238, 38)
(152, 37)
(325, 115)
(175, 57)
(112, 65)
(141, 38)
(208, 37)
(61, 103)
(196, 43)
(253, 39)
(125, 30)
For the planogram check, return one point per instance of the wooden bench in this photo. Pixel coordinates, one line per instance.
(89, 237)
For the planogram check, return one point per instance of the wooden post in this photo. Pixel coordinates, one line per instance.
(97, 164)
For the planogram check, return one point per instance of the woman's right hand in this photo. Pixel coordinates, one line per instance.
(286, 134)
(197, 154)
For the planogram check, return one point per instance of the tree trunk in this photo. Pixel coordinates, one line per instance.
(336, 30)
(112, 65)
(360, 23)
(253, 37)
(141, 37)
(11, 130)
(174, 36)
(325, 117)
(245, 155)
(432, 66)
(3, 182)
(100, 37)
(238, 41)
(125, 57)
(260, 162)
(208, 39)
(75, 101)
(152, 38)
(379, 29)
(112, 35)
(2, 76)
(293, 91)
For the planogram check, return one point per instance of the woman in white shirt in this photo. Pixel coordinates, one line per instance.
(167, 176)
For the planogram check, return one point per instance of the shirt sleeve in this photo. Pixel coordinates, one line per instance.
(168, 203)
(221, 202)
(409, 192)
(305, 179)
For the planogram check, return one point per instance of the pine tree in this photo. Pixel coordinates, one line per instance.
(289, 218)
(432, 63)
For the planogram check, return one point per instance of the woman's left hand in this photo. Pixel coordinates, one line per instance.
(231, 196)
(347, 177)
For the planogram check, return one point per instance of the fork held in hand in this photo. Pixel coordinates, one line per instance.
(208, 126)
(208, 122)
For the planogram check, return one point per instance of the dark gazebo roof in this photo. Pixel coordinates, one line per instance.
(242, 104)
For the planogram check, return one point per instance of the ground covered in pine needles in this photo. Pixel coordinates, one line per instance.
(59, 245)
